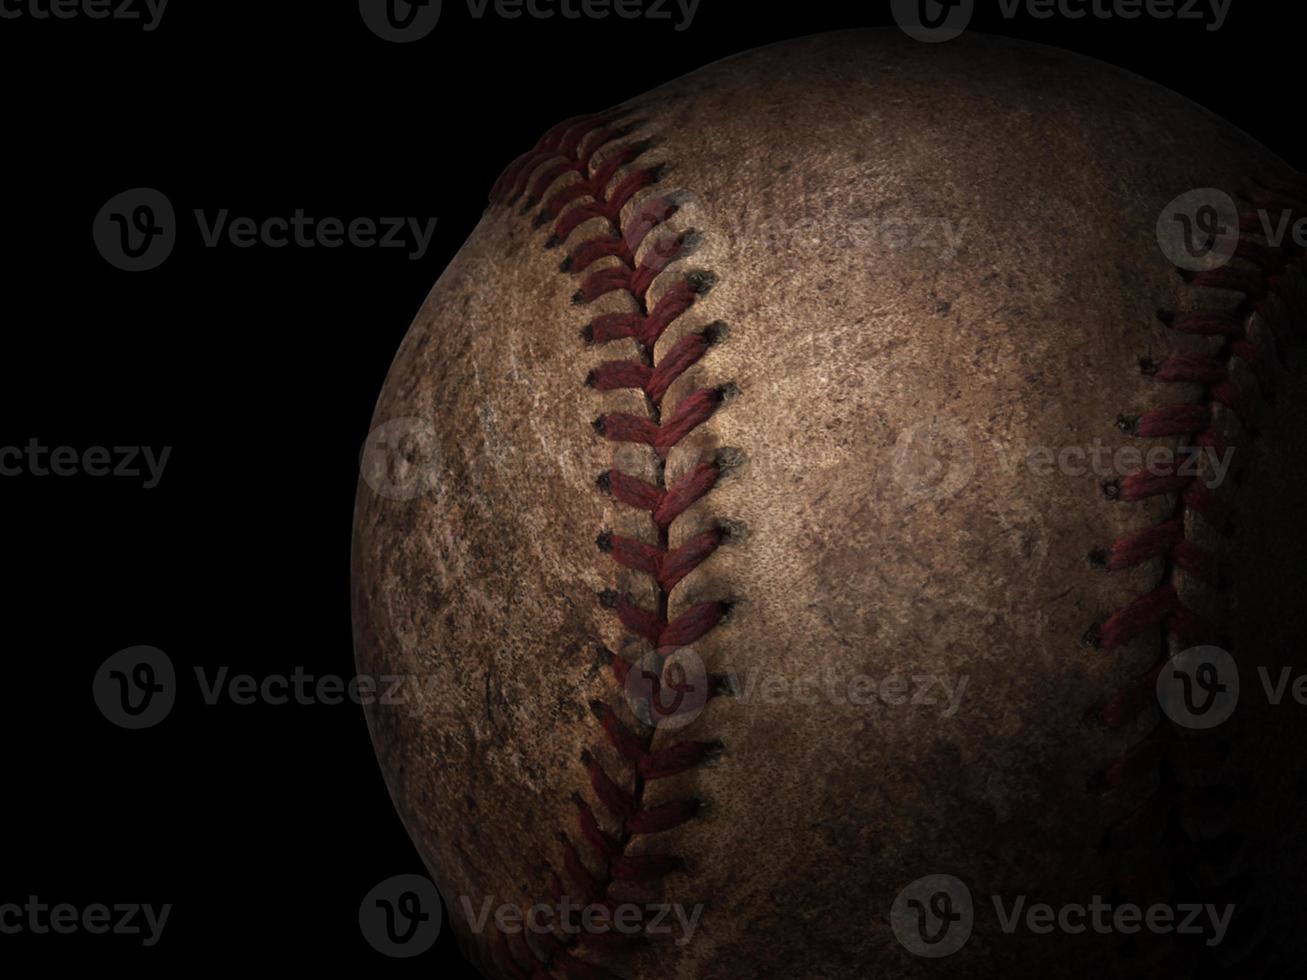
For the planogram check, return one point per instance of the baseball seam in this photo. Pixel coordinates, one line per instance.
(607, 189)
(1264, 277)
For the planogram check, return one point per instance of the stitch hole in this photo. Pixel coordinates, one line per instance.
(715, 333)
(1129, 424)
(1166, 316)
(608, 598)
(1093, 637)
(1112, 489)
(1148, 366)
(1098, 558)
(713, 753)
(605, 541)
(727, 392)
(701, 281)
(726, 686)
(731, 531)
(685, 865)
(728, 458)
(599, 709)
(605, 482)
(656, 173)
(688, 242)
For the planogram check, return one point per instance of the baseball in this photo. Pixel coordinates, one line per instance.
(843, 507)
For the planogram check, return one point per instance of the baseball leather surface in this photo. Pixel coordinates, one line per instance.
(751, 372)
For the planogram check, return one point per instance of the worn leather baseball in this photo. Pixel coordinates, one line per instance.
(860, 372)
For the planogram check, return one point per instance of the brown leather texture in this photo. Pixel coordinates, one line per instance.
(921, 264)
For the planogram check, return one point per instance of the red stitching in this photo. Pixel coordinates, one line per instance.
(569, 149)
(1167, 540)
(1162, 609)
(600, 190)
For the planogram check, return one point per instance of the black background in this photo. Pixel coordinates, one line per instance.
(265, 825)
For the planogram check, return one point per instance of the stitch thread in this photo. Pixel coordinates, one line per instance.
(570, 148)
(1175, 804)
